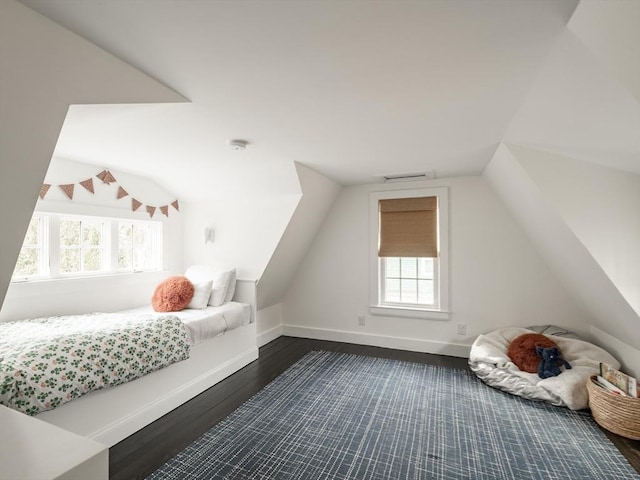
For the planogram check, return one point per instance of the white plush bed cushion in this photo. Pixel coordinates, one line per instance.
(208, 322)
(489, 361)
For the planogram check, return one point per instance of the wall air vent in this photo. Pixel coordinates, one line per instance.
(407, 177)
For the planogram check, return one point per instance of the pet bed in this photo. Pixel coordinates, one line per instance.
(489, 361)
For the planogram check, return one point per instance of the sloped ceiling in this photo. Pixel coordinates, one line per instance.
(353, 90)
(617, 48)
(578, 109)
(44, 69)
(580, 124)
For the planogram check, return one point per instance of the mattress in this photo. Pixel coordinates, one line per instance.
(208, 322)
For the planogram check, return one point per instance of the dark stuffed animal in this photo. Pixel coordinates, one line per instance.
(551, 357)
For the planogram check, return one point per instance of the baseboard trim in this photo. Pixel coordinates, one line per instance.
(399, 343)
(269, 335)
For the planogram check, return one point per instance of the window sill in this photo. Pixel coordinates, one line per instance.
(405, 312)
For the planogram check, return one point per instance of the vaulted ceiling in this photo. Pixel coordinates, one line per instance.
(353, 90)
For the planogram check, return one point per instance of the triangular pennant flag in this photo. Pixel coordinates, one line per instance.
(68, 190)
(122, 192)
(151, 210)
(108, 178)
(88, 184)
(175, 205)
(165, 210)
(135, 204)
(43, 191)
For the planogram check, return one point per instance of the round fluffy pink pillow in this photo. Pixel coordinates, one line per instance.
(173, 294)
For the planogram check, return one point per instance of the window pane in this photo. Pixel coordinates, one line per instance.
(125, 234)
(409, 292)
(142, 257)
(27, 263)
(392, 267)
(91, 233)
(33, 232)
(125, 258)
(92, 259)
(425, 292)
(69, 260)
(425, 268)
(409, 267)
(392, 290)
(70, 233)
(142, 234)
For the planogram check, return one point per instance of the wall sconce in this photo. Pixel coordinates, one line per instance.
(209, 235)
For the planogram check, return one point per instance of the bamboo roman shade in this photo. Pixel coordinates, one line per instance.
(408, 227)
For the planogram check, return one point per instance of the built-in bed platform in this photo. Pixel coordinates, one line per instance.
(110, 415)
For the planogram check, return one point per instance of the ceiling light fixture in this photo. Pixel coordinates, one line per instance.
(238, 144)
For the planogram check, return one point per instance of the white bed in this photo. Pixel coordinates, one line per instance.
(208, 322)
(109, 416)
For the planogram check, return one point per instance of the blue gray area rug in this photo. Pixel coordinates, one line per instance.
(339, 416)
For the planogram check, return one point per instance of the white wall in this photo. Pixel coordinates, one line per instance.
(104, 293)
(318, 194)
(600, 205)
(496, 277)
(247, 230)
(46, 68)
(269, 324)
(611, 30)
(559, 248)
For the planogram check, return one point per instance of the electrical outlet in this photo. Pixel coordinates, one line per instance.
(361, 320)
(462, 329)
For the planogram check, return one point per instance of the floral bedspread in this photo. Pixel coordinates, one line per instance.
(49, 361)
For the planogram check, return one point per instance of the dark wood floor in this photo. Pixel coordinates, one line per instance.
(143, 452)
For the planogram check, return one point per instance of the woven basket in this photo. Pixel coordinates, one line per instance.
(618, 414)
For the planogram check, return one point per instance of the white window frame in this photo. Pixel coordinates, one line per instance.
(383, 276)
(157, 240)
(43, 257)
(54, 238)
(440, 311)
(51, 233)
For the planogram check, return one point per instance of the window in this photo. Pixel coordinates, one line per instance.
(408, 281)
(409, 254)
(33, 260)
(61, 246)
(83, 245)
(138, 245)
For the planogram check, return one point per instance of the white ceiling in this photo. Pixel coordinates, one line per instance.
(352, 89)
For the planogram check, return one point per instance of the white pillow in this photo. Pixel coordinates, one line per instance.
(201, 294)
(200, 273)
(231, 288)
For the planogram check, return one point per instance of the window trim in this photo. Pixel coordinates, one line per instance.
(436, 294)
(44, 254)
(106, 246)
(157, 241)
(441, 312)
(110, 248)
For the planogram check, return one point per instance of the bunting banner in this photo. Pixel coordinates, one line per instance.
(88, 184)
(68, 189)
(43, 191)
(107, 178)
